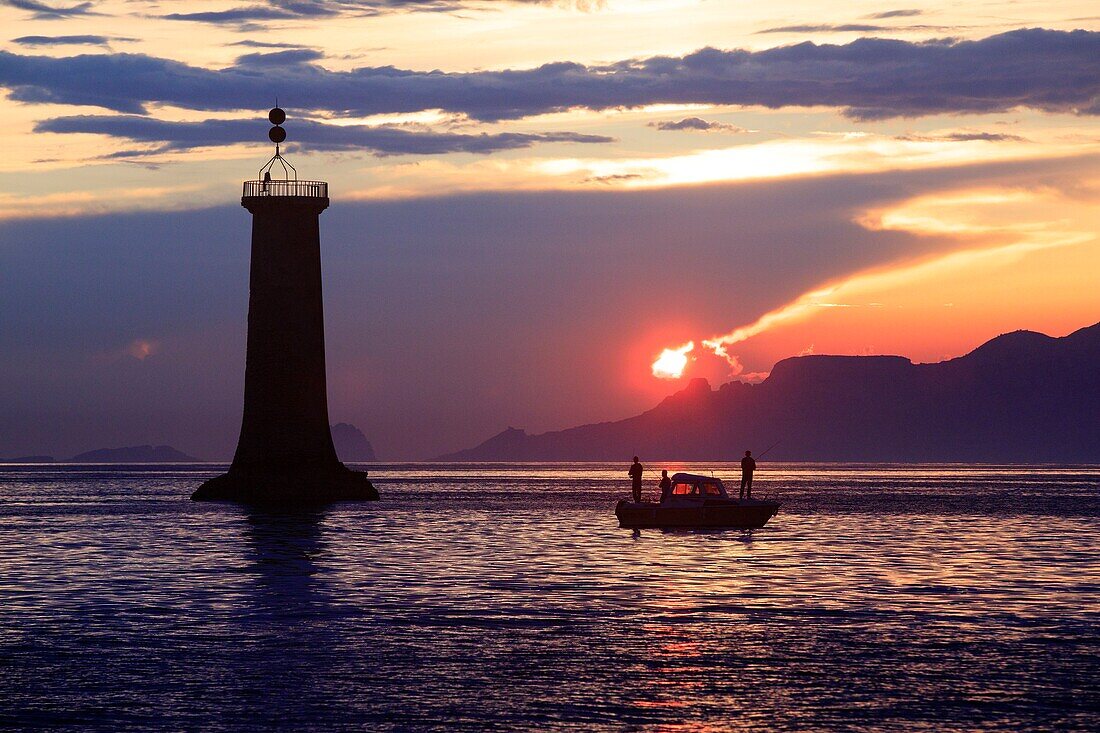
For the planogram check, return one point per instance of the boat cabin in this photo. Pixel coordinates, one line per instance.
(692, 486)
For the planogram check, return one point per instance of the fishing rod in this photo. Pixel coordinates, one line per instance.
(769, 448)
(765, 496)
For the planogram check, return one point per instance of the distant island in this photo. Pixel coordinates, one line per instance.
(28, 459)
(134, 454)
(351, 445)
(1021, 397)
(129, 454)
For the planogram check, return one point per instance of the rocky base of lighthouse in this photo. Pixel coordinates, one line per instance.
(286, 489)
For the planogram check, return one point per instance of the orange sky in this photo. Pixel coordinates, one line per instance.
(1027, 258)
(494, 243)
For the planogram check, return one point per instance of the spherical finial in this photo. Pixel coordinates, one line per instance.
(276, 134)
(277, 116)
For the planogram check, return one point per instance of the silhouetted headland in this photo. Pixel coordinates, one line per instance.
(351, 444)
(1021, 397)
(285, 454)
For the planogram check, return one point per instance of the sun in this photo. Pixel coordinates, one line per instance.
(672, 362)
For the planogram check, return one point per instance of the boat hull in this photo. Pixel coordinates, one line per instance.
(733, 514)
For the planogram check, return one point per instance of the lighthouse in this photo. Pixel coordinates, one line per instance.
(285, 453)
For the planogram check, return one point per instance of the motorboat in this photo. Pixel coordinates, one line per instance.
(696, 501)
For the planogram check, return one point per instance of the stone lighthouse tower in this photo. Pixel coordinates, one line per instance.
(285, 453)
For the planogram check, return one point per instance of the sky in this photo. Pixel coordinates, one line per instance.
(543, 214)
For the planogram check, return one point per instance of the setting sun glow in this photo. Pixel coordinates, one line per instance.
(672, 362)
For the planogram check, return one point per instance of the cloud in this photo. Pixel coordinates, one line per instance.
(279, 59)
(264, 44)
(852, 28)
(869, 78)
(381, 140)
(251, 13)
(276, 10)
(825, 28)
(696, 124)
(142, 349)
(68, 40)
(963, 137)
(986, 136)
(895, 14)
(42, 11)
(614, 178)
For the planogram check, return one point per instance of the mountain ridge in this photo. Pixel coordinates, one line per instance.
(1019, 397)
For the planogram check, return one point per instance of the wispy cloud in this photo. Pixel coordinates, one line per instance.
(258, 14)
(253, 13)
(279, 59)
(614, 178)
(952, 213)
(43, 11)
(851, 28)
(695, 124)
(964, 137)
(824, 28)
(381, 140)
(904, 13)
(85, 40)
(248, 43)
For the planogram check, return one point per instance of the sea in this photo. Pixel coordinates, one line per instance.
(502, 597)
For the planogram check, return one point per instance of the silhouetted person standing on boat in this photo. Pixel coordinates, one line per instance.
(636, 479)
(748, 465)
(666, 487)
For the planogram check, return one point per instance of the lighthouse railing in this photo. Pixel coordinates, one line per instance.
(309, 189)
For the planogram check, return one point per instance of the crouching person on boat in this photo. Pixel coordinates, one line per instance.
(666, 487)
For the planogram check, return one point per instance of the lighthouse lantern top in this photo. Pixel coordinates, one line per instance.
(277, 177)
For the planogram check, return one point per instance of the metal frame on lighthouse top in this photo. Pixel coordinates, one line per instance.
(288, 185)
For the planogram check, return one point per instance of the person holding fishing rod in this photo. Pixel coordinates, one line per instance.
(748, 466)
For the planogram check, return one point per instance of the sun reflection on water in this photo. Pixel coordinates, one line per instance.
(502, 596)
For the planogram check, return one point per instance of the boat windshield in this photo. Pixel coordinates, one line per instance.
(699, 489)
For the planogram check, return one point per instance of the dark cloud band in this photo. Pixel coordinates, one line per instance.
(1051, 71)
(382, 140)
(903, 13)
(277, 10)
(45, 11)
(826, 28)
(82, 40)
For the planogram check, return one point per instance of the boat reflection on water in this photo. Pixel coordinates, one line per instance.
(696, 502)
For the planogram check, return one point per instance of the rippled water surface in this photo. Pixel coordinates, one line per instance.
(504, 596)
